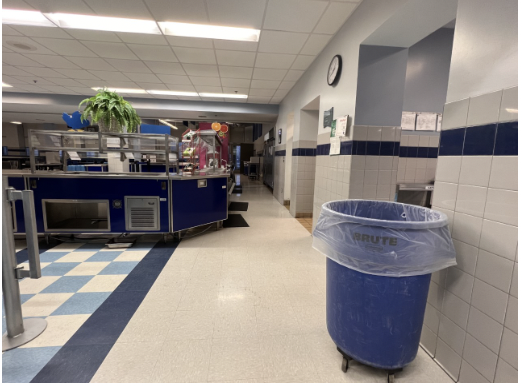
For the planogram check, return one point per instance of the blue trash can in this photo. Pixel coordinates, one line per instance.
(380, 256)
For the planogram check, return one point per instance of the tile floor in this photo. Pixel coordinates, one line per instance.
(76, 279)
(241, 305)
(307, 222)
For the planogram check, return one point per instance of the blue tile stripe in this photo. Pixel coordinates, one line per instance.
(280, 153)
(384, 148)
(418, 152)
(493, 139)
(303, 152)
(79, 359)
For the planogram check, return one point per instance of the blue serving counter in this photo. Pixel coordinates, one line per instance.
(116, 203)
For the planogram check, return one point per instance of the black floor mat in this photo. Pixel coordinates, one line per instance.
(238, 206)
(235, 221)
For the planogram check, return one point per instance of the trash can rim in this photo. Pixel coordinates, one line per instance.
(442, 221)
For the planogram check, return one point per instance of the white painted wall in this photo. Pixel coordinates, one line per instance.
(288, 133)
(10, 135)
(366, 18)
(485, 48)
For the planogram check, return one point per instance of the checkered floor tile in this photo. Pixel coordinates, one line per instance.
(76, 279)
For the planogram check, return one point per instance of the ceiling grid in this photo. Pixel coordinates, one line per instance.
(71, 61)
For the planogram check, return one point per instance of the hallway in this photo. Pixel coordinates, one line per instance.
(253, 311)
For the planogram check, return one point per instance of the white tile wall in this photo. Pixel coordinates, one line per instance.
(302, 187)
(479, 297)
(418, 170)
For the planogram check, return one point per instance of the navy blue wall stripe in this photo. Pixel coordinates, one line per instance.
(303, 152)
(418, 152)
(79, 359)
(387, 148)
(492, 139)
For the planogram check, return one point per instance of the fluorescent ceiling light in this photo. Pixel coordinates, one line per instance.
(103, 23)
(17, 17)
(168, 124)
(16, 123)
(178, 93)
(209, 31)
(214, 95)
(122, 90)
(6, 85)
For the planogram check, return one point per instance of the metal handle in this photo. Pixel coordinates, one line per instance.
(31, 234)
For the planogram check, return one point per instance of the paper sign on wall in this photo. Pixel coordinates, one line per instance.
(341, 125)
(426, 122)
(408, 120)
(335, 145)
(328, 117)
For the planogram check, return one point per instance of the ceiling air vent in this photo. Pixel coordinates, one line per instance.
(142, 213)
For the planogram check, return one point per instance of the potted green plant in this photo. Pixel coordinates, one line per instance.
(111, 112)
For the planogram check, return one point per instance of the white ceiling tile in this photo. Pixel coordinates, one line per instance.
(201, 70)
(268, 74)
(180, 41)
(334, 17)
(152, 86)
(92, 83)
(236, 90)
(42, 71)
(77, 74)
(293, 15)
(5, 49)
(12, 80)
(195, 55)
(302, 62)
(174, 79)
(234, 46)
(82, 90)
(129, 65)
(293, 75)
(66, 82)
(165, 68)
(91, 63)
(136, 38)
(31, 80)
(153, 53)
(116, 83)
(10, 31)
(42, 32)
(204, 81)
(29, 88)
(281, 61)
(141, 77)
(16, 4)
(271, 84)
(96, 36)
(12, 70)
(134, 9)
(186, 11)
(17, 59)
(275, 101)
(235, 72)
(110, 75)
(282, 42)
(286, 85)
(280, 93)
(181, 87)
(52, 61)
(33, 46)
(57, 89)
(111, 50)
(255, 99)
(64, 6)
(315, 44)
(66, 47)
(261, 92)
(237, 13)
(209, 89)
(235, 58)
(230, 82)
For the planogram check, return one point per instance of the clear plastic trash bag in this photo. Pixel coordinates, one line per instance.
(384, 238)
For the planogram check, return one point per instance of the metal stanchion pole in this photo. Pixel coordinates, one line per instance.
(18, 331)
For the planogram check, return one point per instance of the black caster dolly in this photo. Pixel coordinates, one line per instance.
(346, 361)
(391, 375)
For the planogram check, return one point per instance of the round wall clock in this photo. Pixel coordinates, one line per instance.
(334, 70)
